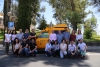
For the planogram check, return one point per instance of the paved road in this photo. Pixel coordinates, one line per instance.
(92, 60)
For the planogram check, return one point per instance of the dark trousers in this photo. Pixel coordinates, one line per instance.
(52, 42)
(33, 53)
(16, 52)
(49, 54)
(12, 44)
(7, 47)
(70, 54)
(55, 52)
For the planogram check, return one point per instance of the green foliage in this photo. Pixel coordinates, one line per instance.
(88, 33)
(72, 11)
(89, 26)
(27, 12)
(92, 23)
(79, 26)
(95, 3)
(43, 24)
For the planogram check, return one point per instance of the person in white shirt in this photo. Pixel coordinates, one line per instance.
(7, 41)
(63, 49)
(48, 49)
(81, 48)
(72, 49)
(13, 36)
(52, 37)
(55, 49)
(78, 36)
(16, 46)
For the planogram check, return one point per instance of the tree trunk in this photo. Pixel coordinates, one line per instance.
(74, 23)
(75, 26)
(72, 5)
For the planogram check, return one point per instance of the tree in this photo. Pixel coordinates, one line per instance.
(88, 33)
(90, 25)
(14, 8)
(43, 24)
(27, 12)
(6, 9)
(72, 11)
(95, 3)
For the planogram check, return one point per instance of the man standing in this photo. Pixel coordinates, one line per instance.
(20, 35)
(32, 35)
(59, 37)
(52, 37)
(26, 35)
(66, 35)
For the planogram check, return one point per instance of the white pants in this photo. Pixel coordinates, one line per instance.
(62, 53)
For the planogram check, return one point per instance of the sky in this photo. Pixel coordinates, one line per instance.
(1, 5)
(48, 14)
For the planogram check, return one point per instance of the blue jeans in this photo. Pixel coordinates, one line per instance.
(24, 51)
(62, 54)
(34, 52)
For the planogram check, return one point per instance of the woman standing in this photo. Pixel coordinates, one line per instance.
(79, 36)
(16, 46)
(13, 36)
(63, 49)
(73, 36)
(7, 41)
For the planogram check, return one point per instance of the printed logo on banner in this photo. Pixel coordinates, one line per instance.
(10, 25)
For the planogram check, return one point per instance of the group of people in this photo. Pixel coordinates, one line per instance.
(23, 44)
(64, 43)
(59, 44)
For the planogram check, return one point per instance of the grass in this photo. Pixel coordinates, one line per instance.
(94, 38)
(1, 36)
(37, 32)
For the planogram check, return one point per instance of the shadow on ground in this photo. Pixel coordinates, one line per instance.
(39, 61)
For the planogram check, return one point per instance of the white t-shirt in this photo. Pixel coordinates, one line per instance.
(79, 36)
(17, 46)
(8, 37)
(13, 37)
(48, 47)
(71, 47)
(63, 46)
(82, 46)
